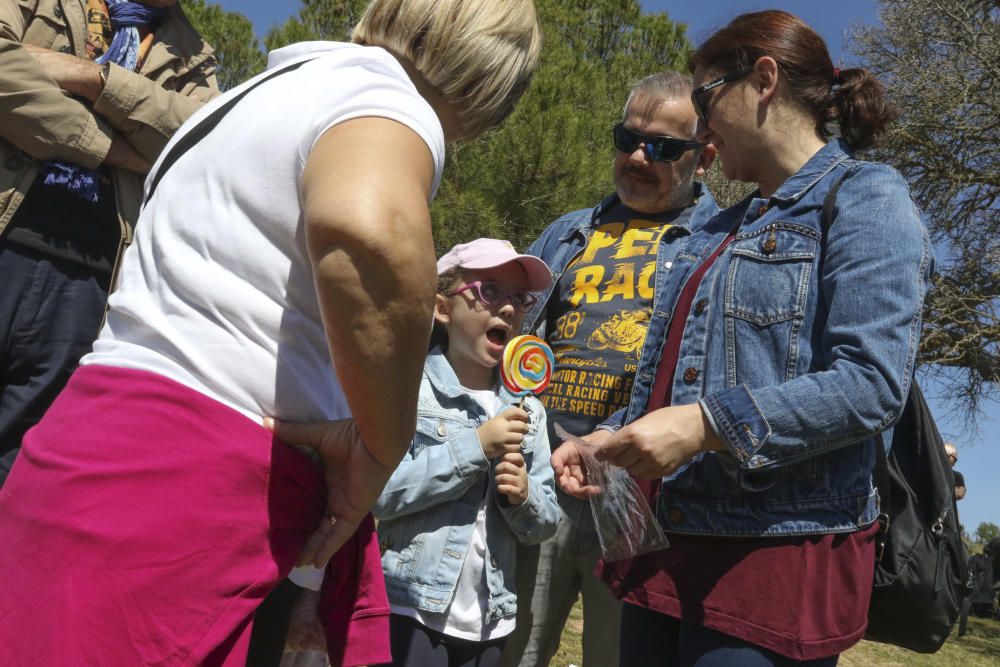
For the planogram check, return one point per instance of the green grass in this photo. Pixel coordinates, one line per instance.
(981, 647)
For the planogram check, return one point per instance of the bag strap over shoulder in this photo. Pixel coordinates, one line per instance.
(206, 125)
(829, 201)
(881, 473)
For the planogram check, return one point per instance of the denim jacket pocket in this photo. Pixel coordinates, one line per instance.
(401, 541)
(769, 273)
(766, 295)
(433, 429)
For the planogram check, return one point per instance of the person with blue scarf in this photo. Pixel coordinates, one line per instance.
(90, 92)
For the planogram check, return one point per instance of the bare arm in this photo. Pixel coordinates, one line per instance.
(364, 192)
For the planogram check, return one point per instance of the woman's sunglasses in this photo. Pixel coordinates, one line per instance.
(661, 149)
(698, 94)
(492, 295)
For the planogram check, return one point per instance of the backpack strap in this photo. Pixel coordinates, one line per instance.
(884, 488)
(881, 472)
(826, 218)
(206, 125)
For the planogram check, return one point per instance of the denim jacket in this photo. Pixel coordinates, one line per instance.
(800, 350)
(560, 244)
(428, 508)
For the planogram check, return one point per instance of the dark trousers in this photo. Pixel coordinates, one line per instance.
(414, 645)
(657, 640)
(50, 313)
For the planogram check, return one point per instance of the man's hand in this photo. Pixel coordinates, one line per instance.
(77, 76)
(507, 428)
(658, 443)
(511, 475)
(569, 468)
(354, 480)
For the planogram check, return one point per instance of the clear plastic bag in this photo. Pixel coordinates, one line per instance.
(625, 524)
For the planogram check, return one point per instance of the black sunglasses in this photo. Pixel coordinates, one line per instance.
(696, 95)
(661, 149)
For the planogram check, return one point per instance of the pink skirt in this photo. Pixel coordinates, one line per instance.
(143, 523)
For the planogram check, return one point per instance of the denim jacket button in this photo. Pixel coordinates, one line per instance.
(690, 375)
(675, 516)
(494, 562)
(769, 245)
(442, 429)
(699, 307)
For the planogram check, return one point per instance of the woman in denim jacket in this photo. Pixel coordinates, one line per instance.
(476, 478)
(791, 345)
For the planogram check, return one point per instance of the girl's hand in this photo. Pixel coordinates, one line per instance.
(512, 476)
(506, 429)
(661, 441)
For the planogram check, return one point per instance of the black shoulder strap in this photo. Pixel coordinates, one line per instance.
(206, 125)
(881, 462)
(826, 221)
(829, 201)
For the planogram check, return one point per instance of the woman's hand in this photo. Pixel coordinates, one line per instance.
(658, 443)
(569, 468)
(511, 475)
(505, 430)
(354, 480)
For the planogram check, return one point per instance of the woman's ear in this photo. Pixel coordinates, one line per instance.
(765, 78)
(442, 309)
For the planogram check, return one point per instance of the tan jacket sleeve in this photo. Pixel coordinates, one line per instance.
(148, 108)
(35, 115)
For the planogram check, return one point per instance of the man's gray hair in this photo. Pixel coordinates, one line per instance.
(656, 89)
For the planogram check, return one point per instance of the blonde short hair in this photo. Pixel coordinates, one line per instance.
(479, 54)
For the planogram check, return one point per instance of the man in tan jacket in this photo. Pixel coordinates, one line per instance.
(90, 93)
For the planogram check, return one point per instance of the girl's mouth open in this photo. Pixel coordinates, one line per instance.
(498, 336)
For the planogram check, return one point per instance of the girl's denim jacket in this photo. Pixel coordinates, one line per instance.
(799, 349)
(428, 509)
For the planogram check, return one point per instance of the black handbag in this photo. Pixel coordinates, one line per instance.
(921, 571)
(920, 568)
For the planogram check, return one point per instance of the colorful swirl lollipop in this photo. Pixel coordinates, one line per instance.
(527, 365)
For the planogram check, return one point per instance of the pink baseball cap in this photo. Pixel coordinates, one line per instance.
(490, 253)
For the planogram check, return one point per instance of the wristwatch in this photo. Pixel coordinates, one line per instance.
(105, 70)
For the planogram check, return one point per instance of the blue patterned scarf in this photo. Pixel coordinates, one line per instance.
(126, 19)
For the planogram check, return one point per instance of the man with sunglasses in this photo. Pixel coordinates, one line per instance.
(611, 263)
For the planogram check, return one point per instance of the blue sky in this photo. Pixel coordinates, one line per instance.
(979, 455)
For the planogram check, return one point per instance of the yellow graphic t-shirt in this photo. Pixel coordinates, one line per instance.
(598, 319)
